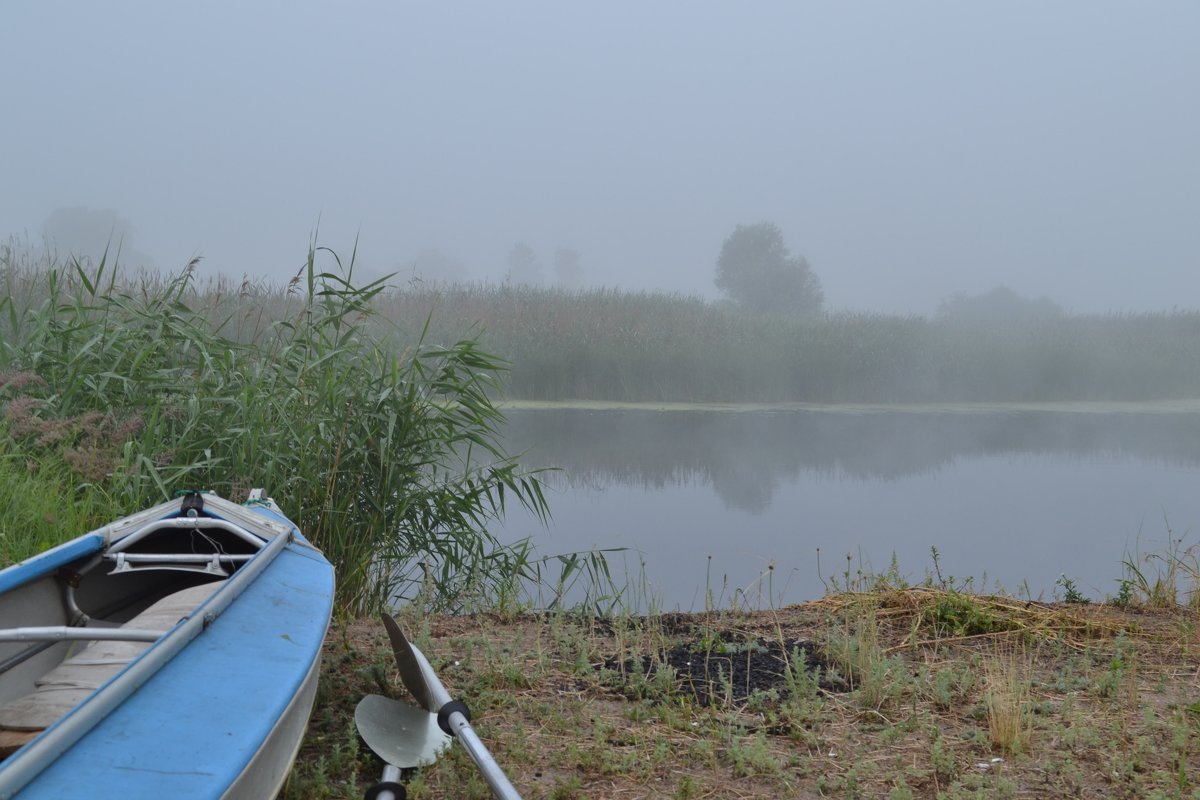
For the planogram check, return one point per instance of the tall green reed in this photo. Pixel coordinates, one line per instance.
(388, 459)
(41, 498)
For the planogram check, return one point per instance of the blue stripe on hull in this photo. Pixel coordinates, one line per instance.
(191, 730)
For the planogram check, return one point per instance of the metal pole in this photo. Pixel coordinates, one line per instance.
(65, 633)
(461, 729)
(390, 775)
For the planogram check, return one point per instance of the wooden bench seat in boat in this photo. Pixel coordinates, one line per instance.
(69, 684)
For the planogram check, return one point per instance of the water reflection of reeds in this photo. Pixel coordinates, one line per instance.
(745, 456)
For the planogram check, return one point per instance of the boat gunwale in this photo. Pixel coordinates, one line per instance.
(24, 765)
(38, 566)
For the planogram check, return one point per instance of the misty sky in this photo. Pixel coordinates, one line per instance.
(908, 150)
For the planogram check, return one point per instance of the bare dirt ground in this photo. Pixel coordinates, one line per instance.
(916, 693)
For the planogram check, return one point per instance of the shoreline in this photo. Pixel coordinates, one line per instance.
(898, 693)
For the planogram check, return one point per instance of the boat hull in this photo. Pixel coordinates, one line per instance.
(270, 767)
(221, 716)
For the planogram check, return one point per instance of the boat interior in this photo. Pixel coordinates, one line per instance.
(77, 615)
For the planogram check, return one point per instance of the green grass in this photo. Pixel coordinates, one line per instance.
(387, 458)
(41, 501)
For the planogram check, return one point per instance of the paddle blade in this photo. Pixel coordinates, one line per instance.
(400, 734)
(410, 669)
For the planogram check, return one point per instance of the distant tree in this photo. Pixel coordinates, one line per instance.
(567, 269)
(437, 267)
(756, 270)
(523, 265)
(997, 306)
(86, 233)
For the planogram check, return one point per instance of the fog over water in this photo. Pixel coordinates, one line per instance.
(1016, 498)
(908, 151)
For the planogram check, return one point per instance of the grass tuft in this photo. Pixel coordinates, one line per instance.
(1007, 699)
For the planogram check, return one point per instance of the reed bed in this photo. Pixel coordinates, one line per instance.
(387, 458)
(639, 347)
(612, 345)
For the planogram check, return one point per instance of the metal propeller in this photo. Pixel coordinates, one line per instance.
(452, 716)
(402, 735)
(411, 673)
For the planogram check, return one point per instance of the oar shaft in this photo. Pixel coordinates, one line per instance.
(460, 728)
(495, 777)
(390, 775)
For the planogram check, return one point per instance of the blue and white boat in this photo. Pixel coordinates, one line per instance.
(172, 653)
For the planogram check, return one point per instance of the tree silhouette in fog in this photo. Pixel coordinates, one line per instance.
(434, 265)
(87, 233)
(998, 306)
(756, 270)
(524, 266)
(567, 267)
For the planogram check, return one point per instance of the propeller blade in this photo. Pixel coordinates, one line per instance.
(402, 735)
(411, 672)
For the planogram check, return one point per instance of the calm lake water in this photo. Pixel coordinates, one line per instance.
(1018, 498)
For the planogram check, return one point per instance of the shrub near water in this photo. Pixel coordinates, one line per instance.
(386, 460)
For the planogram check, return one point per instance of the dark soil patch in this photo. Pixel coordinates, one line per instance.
(677, 624)
(671, 624)
(728, 669)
